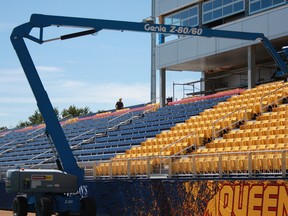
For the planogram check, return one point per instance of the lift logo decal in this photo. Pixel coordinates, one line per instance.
(184, 30)
(42, 177)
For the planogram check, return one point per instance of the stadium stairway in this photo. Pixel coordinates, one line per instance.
(212, 144)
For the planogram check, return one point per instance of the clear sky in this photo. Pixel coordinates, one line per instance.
(91, 71)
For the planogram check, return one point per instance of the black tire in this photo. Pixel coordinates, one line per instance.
(64, 214)
(44, 207)
(20, 206)
(88, 207)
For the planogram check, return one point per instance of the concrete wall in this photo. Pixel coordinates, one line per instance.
(272, 23)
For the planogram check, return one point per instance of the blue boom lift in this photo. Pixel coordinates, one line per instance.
(63, 191)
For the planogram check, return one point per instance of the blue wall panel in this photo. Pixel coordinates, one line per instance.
(183, 197)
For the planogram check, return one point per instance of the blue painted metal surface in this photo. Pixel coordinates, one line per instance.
(43, 102)
(42, 21)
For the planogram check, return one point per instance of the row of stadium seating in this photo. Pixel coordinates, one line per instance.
(128, 135)
(139, 130)
(96, 137)
(224, 120)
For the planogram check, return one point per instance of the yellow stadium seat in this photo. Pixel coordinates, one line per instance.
(252, 147)
(142, 167)
(213, 164)
(104, 169)
(176, 167)
(244, 148)
(184, 166)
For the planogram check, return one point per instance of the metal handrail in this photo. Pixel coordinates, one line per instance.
(223, 117)
(78, 144)
(36, 156)
(34, 131)
(79, 135)
(261, 99)
(241, 108)
(4, 134)
(33, 138)
(281, 171)
(10, 149)
(47, 159)
(177, 153)
(131, 113)
(72, 147)
(150, 102)
(38, 164)
(7, 143)
(175, 142)
(65, 117)
(92, 138)
(108, 124)
(3, 130)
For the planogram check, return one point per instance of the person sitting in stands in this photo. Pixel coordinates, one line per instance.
(119, 105)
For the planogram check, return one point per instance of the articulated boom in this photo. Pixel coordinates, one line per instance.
(41, 21)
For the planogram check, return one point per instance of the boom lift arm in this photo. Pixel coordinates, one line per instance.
(95, 25)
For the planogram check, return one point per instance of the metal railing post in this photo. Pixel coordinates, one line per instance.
(110, 169)
(250, 164)
(148, 168)
(129, 168)
(194, 167)
(220, 166)
(170, 167)
(283, 167)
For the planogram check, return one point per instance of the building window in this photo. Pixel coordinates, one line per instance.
(260, 5)
(217, 9)
(187, 17)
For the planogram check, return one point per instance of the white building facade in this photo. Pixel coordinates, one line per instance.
(225, 63)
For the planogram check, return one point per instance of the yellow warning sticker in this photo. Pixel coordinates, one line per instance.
(42, 177)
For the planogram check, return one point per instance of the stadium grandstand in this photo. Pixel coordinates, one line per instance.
(222, 150)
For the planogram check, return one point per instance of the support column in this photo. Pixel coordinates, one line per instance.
(162, 87)
(153, 57)
(202, 83)
(251, 67)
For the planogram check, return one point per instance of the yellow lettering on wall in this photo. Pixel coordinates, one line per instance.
(282, 209)
(250, 199)
(240, 203)
(270, 200)
(212, 207)
(255, 201)
(226, 200)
